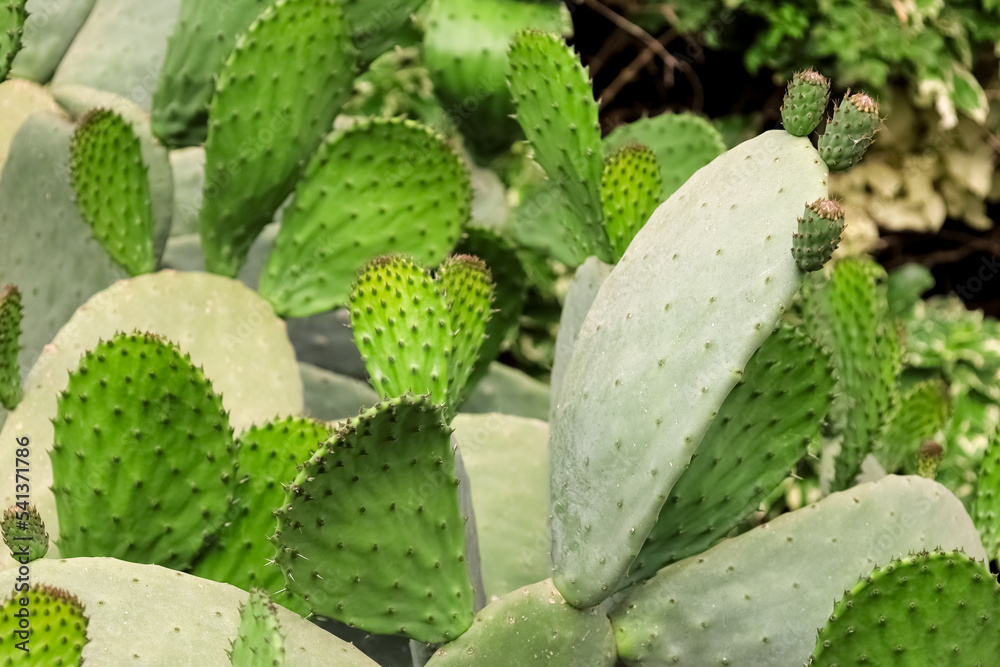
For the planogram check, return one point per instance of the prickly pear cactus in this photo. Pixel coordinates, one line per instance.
(371, 533)
(267, 116)
(10, 346)
(467, 286)
(12, 18)
(849, 132)
(20, 100)
(818, 234)
(630, 192)
(24, 533)
(259, 641)
(51, 25)
(58, 627)
(987, 508)
(377, 26)
(112, 188)
(116, 454)
(343, 214)
(708, 275)
(932, 608)
(805, 102)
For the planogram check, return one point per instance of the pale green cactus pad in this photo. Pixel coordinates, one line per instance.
(630, 192)
(531, 625)
(371, 533)
(19, 100)
(266, 118)
(112, 188)
(509, 391)
(260, 641)
(188, 166)
(10, 346)
(331, 396)
(50, 28)
(715, 273)
(756, 599)
(173, 618)
(12, 18)
(58, 627)
(343, 216)
(936, 608)
(225, 327)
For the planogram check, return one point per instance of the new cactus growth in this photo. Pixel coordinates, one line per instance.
(12, 18)
(630, 192)
(849, 132)
(805, 102)
(818, 234)
(921, 411)
(42, 625)
(987, 507)
(112, 188)
(24, 533)
(929, 458)
(10, 346)
(935, 608)
(260, 641)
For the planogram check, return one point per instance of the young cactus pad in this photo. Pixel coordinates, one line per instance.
(112, 188)
(849, 132)
(937, 608)
(818, 234)
(12, 18)
(922, 410)
(24, 533)
(696, 293)
(259, 641)
(57, 623)
(268, 115)
(10, 346)
(141, 440)
(556, 109)
(382, 186)
(371, 533)
(987, 509)
(630, 192)
(805, 102)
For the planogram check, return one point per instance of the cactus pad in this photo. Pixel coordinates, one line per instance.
(987, 508)
(12, 18)
(715, 274)
(24, 533)
(765, 425)
(267, 117)
(142, 441)
(556, 109)
(922, 410)
(10, 346)
(757, 599)
(805, 102)
(19, 100)
(937, 608)
(818, 234)
(259, 641)
(683, 143)
(51, 28)
(630, 192)
(528, 626)
(849, 132)
(371, 533)
(382, 186)
(467, 287)
(377, 25)
(58, 627)
(112, 188)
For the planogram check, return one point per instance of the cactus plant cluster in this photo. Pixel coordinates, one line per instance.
(710, 352)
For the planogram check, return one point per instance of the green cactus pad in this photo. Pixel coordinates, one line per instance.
(172, 618)
(818, 234)
(267, 458)
(465, 48)
(403, 329)
(556, 109)
(24, 533)
(683, 143)
(225, 327)
(766, 424)
(330, 396)
(10, 346)
(467, 287)
(377, 25)
(57, 623)
(12, 18)
(937, 608)
(849, 132)
(112, 188)
(507, 460)
(684, 311)
(142, 441)
(805, 102)
(531, 625)
(19, 100)
(371, 533)
(630, 192)
(380, 187)
(120, 48)
(267, 116)
(987, 507)
(757, 599)
(259, 642)
(921, 412)
(51, 27)
(200, 42)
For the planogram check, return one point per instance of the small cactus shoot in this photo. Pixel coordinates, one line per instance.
(849, 132)
(929, 458)
(818, 234)
(10, 347)
(24, 533)
(12, 18)
(805, 102)
(259, 642)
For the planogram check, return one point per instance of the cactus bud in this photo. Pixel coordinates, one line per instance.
(928, 459)
(850, 132)
(24, 533)
(805, 101)
(818, 235)
(10, 347)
